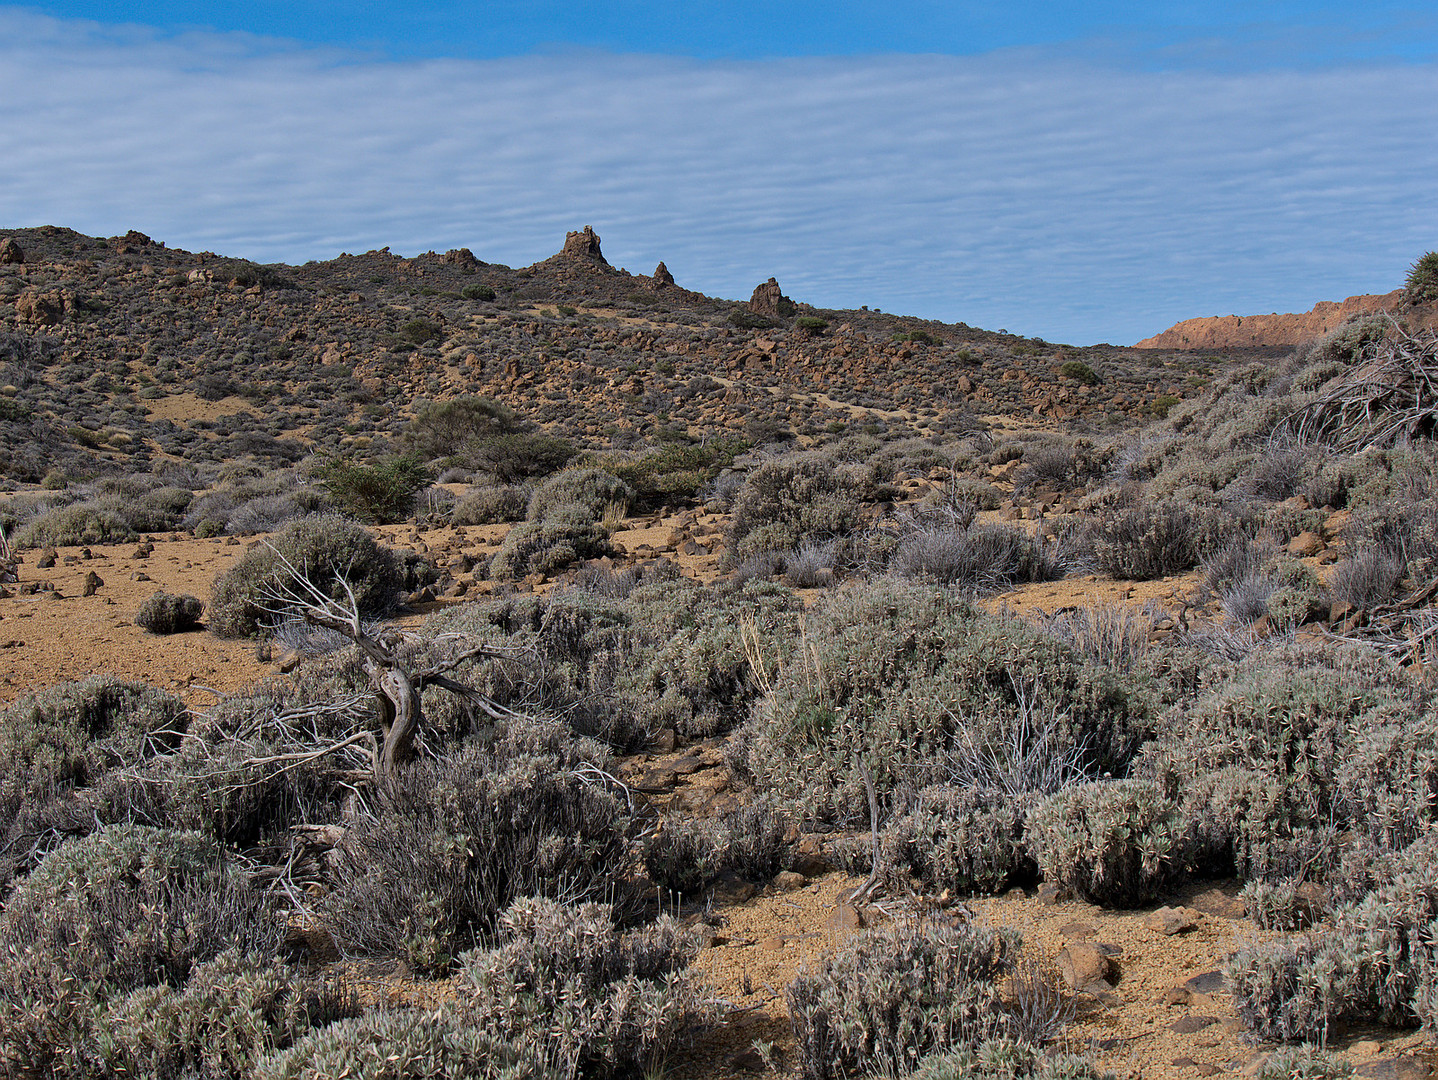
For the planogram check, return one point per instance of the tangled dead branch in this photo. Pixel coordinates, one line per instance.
(397, 688)
(1406, 630)
(1389, 396)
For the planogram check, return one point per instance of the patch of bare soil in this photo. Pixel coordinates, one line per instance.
(187, 407)
(50, 632)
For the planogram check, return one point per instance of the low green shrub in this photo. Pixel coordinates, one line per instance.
(593, 1000)
(455, 842)
(1149, 541)
(442, 428)
(381, 493)
(1080, 372)
(166, 614)
(676, 471)
(594, 491)
(541, 547)
(98, 522)
(1114, 842)
(1368, 578)
(126, 907)
(231, 1012)
(1421, 285)
(688, 854)
(1255, 760)
(983, 557)
(421, 331)
(516, 456)
(408, 1044)
(1303, 1063)
(71, 735)
(905, 675)
(959, 839)
(489, 506)
(1378, 962)
(326, 549)
(624, 656)
(1006, 1059)
(783, 504)
(888, 998)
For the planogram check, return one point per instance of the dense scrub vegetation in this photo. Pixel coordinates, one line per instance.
(1276, 726)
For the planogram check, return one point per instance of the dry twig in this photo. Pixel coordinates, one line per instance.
(1389, 397)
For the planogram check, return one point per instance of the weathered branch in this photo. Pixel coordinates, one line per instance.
(397, 689)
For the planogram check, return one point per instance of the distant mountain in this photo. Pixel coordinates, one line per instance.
(1255, 331)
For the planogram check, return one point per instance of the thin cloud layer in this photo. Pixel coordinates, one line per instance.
(1025, 190)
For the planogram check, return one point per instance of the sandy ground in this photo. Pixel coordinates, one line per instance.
(57, 634)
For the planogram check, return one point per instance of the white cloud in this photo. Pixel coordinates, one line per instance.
(1023, 190)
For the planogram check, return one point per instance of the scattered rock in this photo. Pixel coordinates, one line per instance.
(1081, 964)
(1206, 983)
(1051, 892)
(461, 257)
(809, 857)
(846, 917)
(1103, 992)
(772, 944)
(1175, 995)
(48, 558)
(1397, 1069)
(1169, 921)
(664, 742)
(1076, 931)
(1305, 545)
(732, 889)
(1187, 1025)
(93, 582)
(11, 251)
(787, 880)
(749, 1060)
(44, 308)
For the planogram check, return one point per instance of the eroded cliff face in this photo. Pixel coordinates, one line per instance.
(1235, 331)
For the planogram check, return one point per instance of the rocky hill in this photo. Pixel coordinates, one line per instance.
(1256, 331)
(118, 351)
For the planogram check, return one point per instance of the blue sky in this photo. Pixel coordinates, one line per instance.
(1080, 172)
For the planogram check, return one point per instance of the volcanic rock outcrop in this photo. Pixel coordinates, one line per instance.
(583, 245)
(769, 299)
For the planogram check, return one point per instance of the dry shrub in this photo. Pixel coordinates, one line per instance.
(166, 614)
(890, 997)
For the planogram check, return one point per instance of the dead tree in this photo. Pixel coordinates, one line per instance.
(397, 689)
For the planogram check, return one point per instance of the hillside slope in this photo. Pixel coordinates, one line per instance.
(115, 352)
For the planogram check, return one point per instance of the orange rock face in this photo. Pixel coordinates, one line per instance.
(1235, 331)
